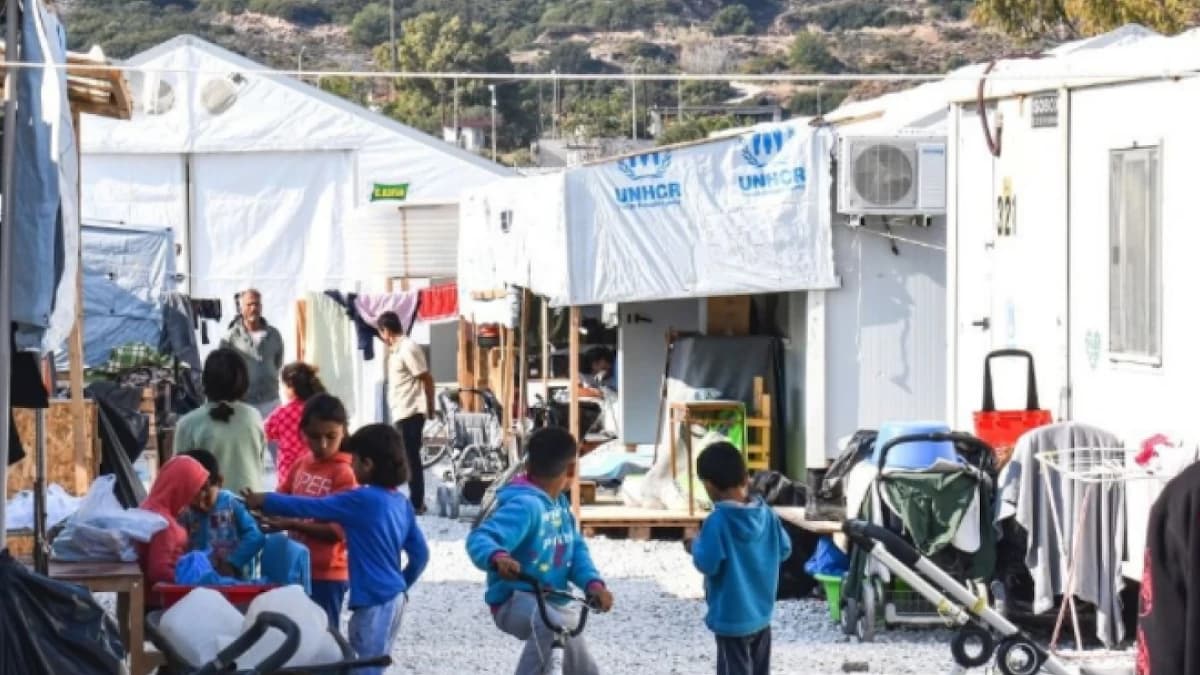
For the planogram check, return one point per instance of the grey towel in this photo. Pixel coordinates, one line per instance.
(1023, 493)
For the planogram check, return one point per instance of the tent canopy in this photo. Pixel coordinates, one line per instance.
(744, 214)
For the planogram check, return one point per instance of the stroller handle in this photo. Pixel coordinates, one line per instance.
(864, 535)
(540, 592)
(955, 437)
(229, 655)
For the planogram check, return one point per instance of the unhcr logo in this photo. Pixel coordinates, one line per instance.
(769, 170)
(647, 172)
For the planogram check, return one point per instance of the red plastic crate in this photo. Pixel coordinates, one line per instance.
(238, 596)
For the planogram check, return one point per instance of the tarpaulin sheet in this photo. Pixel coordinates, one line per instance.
(127, 274)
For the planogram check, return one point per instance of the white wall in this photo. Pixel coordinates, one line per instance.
(885, 331)
(1136, 401)
(642, 353)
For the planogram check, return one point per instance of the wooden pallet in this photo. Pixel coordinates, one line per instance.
(639, 524)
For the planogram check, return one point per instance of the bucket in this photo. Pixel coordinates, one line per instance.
(917, 455)
(833, 594)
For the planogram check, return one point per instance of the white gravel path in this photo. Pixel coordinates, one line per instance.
(656, 627)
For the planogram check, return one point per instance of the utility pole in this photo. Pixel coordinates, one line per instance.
(554, 113)
(633, 112)
(300, 64)
(492, 89)
(392, 43)
(457, 131)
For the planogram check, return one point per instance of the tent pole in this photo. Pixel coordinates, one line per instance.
(574, 370)
(12, 16)
(75, 347)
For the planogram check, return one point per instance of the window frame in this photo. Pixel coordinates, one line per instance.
(1152, 150)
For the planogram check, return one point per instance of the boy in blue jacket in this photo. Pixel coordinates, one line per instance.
(222, 525)
(739, 550)
(532, 532)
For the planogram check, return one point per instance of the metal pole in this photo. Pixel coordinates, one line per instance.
(492, 88)
(554, 113)
(457, 130)
(300, 64)
(392, 35)
(633, 111)
(12, 16)
(41, 562)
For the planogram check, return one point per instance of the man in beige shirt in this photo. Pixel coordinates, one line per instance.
(410, 398)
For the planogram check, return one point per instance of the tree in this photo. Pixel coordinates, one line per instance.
(733, 20)
(433, 42)
(809, 54)
(1030, 19)
(370, 25)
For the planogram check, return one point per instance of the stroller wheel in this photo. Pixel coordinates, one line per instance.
(1019, 657)
(866, 619)
(972, 647)
(850, 617)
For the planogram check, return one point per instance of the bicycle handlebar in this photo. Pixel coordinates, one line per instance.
(540, 592)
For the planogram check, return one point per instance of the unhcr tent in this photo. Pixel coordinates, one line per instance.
(746, 214)
(260, 176)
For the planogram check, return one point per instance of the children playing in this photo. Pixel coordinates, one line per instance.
(326, 471)
(739, 550)
(181, 482)
(222, 525)
(380, 524)
(533, 532)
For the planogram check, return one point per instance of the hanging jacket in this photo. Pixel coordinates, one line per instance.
(178, 483)
(1168, 637)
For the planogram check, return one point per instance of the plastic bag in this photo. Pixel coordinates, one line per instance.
(828, 560)
(102, 530)
(196, 569)
(50, 627)
(60, 504)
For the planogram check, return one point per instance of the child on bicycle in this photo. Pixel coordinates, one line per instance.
(380, 525)
(739, 550)
(533, 533)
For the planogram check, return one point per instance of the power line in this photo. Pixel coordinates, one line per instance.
(83, 69)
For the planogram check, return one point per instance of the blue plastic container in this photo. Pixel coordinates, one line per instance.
(917, 455)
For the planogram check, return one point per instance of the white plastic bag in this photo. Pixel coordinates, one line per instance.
(102, 530)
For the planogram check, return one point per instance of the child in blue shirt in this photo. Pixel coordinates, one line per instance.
(532, 532)
(380, 524)
(739, 550)
(222, 524)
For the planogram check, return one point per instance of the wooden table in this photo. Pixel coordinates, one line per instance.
(124, 579)
(693, 412)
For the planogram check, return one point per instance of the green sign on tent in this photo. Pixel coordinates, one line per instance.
(394, 192)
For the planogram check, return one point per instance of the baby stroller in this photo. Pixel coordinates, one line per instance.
(943, 509)
(474, 444)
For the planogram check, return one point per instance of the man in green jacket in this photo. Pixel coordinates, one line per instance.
(261, 345)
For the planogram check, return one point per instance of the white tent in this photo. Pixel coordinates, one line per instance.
(749, 214)
(262, 176)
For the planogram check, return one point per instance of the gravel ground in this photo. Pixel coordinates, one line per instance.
(657, 626)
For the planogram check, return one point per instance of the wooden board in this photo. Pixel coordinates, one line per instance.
(640, 524)
(61, 465)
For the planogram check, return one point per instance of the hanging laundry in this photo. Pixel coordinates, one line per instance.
(364, 332)
(203, 311)
(403, 303)
(179, 333)
(438, 303)
(301, 327)
(329, 345)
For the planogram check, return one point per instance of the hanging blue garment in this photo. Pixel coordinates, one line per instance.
(285, 561)
(46, 221)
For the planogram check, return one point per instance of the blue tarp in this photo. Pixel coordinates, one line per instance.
(127, 273)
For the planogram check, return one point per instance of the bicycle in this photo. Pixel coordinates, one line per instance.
(562, 634)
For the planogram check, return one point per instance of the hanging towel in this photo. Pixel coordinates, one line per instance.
(329, 345)
(365, 333)
(438, 303)
(403, 303)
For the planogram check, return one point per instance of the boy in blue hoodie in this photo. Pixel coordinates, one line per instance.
(739, 550)
(222, 525)
(533, 532)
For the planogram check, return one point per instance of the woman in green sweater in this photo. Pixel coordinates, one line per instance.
(225, 426)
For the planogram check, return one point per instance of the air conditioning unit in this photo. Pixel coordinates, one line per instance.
(892, 176)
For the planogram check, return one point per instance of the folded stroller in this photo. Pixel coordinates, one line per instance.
(476, 450)
(938, 499)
